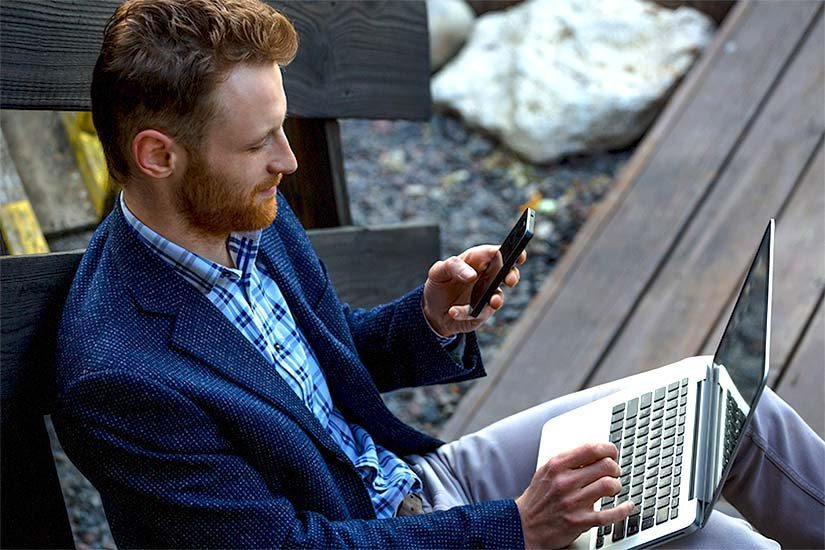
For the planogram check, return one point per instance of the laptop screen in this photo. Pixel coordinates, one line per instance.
(743, 350)
(743, 354)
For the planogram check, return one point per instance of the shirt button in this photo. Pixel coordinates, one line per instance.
(278, 347)
(225, 274)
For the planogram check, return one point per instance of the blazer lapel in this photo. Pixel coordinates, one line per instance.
(202, 331)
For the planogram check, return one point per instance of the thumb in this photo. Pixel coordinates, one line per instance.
(451, 268)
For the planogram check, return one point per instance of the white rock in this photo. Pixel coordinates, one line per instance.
(557, 77)
(450, 23)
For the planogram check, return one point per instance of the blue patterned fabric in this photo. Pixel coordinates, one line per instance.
(251, 300)
(194, 441)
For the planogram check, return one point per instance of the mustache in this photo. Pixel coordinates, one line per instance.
(269, 184)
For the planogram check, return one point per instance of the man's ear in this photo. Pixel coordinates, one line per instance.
(157, 155)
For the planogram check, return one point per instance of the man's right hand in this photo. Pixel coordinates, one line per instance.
(557, 507)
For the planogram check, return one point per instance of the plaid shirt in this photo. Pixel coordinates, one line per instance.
(253, 303)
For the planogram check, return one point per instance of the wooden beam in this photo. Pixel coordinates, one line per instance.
(357, 59)
(317, 191)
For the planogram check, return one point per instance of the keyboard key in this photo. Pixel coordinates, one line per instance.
(670, 423)
(684, 382)
(674, 513)
(682, 401)
(677, 480)
(674, 386)
(649, 492)
(615, 436)
(680, 440)
(608, 529)
(657, 414)
(642, 432)
(621, 499)
(646, 400)
(644, 420)
(617, 425)
(683, 390)
(639, 461)
(637, 500)
(674, 503)
(618, 408)
(655, 424)
(606, 501)
(599, 541)
(668, 442)
(678, 460)
(655, 443)
(665, 472)
(648, 522)
(677, 470)
(661, 517)
(631, 422)
(618, 530)
(625, 490)
(675, 491)
(633, 525)
(667, 461)
(632, 407)
(659, 394)
(663, 481)
(653, 452)
(671, 413)
(664, 491)
(682, 419)
(649, 511)
(678, 451)
(624, 480)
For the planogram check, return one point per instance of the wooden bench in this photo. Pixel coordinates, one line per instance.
(652, 275)
(356, 60)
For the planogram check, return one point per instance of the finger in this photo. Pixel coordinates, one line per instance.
(602, 487)
(513, 277)
(610, 515)
(522, 257)
(606, 467)
(451, 269)
(481, 255)
(586, 454)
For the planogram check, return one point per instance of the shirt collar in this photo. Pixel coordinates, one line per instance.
(201, 272)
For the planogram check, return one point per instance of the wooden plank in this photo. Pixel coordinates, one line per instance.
(317, 191)
(706, 267)
(356, 60)
(21, 233)
(578, 310)
(55, 188)
(803, 385)
(799, 268)
(370, 266)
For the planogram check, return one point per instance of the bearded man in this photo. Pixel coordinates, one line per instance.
(212, 386)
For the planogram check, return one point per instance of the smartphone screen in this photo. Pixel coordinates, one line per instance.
(496, 271)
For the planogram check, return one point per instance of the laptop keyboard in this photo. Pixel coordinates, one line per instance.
(649, 432)
(734, 420)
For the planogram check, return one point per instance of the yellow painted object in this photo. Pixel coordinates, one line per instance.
(90, 159)
(21, 230)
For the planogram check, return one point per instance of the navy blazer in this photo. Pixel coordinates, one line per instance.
(194, 440)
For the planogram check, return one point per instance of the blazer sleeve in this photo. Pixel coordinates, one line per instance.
(158, 460)
(400, 350)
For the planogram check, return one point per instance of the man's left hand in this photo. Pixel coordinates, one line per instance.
(450, 284)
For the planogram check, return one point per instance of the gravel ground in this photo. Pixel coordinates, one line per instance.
(436, 172)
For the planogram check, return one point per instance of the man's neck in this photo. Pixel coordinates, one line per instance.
(171, 225)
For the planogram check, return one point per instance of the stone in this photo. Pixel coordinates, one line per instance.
(552, 78)
(450, 23)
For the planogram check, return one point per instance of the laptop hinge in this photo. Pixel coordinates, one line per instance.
(706, 436)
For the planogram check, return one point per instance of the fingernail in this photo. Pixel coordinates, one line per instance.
(466, 273)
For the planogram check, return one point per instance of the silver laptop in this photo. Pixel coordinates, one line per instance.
(678, 427)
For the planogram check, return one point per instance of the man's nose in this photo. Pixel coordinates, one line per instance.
(285, 161)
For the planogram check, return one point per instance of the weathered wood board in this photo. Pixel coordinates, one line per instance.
(337, 73)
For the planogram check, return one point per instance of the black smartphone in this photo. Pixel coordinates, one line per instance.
(500, 265)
